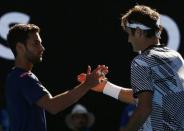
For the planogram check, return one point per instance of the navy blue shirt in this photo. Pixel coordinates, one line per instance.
(23, 90)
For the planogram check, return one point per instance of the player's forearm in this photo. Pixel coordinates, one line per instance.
(62, 101)
(138, 118)
(126, 95)
(120, 93)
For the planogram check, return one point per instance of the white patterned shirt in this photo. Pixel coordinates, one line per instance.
(161, 70)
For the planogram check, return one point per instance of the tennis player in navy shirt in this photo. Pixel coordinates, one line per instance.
(27, 99)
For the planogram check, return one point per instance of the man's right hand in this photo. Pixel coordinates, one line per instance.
(102, 79)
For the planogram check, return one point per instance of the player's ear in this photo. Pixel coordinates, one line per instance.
(20, 47)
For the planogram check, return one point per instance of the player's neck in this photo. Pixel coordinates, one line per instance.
(23, 64)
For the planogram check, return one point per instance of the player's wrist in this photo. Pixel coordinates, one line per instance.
(112, 90)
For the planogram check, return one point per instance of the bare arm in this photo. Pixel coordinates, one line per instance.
(62, 101)
(126, 95)
(141, 113)
(144, 102)
(121, 93)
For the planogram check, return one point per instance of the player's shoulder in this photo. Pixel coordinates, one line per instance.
(20, 73)
(25, 74)
(143, 59)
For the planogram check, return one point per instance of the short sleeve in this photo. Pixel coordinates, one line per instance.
(140, 77)
(32, 89)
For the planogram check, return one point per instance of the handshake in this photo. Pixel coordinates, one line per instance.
(82, 77)
(100, 72)
(103, 85)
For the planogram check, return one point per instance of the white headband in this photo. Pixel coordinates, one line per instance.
(135, 25)
(158, 22)
(141, 26)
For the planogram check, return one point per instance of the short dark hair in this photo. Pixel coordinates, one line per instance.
(20, 33)
(143, 15)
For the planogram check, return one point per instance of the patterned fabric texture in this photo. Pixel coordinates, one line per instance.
(161, 71)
